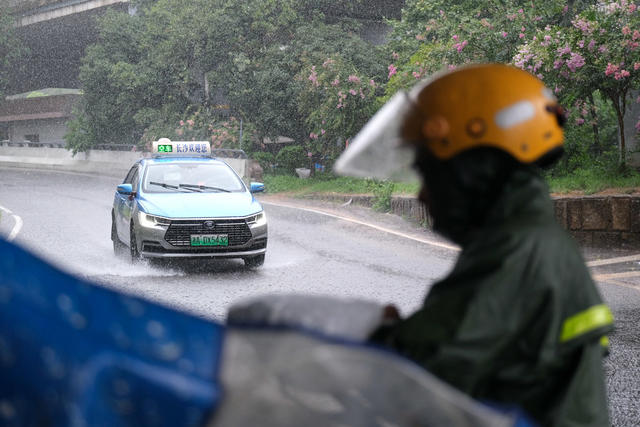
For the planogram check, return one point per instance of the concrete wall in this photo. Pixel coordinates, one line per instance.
(610, 221)
(48, 130)
(110, 163)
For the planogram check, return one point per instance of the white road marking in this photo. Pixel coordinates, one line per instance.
(17, 223)
(622, 275)
(601, 277)
(366, 224)
(613, 260)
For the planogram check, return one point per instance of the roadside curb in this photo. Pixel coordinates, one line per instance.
(594, 221)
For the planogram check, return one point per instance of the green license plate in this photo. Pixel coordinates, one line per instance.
(209, 240)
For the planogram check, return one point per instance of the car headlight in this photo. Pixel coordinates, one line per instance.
(257, 220)
(150, 221)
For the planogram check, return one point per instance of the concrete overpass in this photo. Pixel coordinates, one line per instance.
(30, 12)
(57, 33)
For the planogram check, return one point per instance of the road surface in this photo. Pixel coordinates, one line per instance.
(314, 247)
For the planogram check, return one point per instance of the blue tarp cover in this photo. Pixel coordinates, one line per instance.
(74, 353)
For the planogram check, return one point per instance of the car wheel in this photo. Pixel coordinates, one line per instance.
(118, 246)
(254, 261)
(133, 245)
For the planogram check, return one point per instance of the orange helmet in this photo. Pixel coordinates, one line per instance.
(488, 105)
(485, 106)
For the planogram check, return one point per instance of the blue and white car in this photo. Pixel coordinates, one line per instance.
(182, 203)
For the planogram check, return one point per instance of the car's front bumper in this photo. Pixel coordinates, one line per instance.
(173, 241)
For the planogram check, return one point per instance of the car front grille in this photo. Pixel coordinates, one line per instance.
(180, 231)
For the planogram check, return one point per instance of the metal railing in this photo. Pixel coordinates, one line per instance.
(48, 144)
(227, 153)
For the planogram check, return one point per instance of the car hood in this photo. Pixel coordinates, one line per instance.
(199, 205)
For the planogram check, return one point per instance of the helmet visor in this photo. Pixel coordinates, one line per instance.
(377, 150)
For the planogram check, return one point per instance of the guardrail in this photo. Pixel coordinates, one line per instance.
(50, 144)
(225, 153)
(105, 159)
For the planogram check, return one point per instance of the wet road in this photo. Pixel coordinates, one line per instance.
(65, 218)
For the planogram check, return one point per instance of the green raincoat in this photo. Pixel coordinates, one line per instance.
(519, 320)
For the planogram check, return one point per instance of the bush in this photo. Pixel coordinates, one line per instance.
(292, 157)
(382, 192)
(265, 159)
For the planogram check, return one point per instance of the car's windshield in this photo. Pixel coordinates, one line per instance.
(191, 177)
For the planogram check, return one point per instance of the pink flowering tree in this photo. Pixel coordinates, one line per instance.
(337, 101)
(439, 35)
(598, 54)
(203, 125)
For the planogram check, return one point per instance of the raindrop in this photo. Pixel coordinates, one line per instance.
(6, 355)
(186, 366)
(78, 321)
(170, 351)
(53, 363)
(5, 294)
(64, 302)
(134, 307)
(7, 411)
(155, 329)
(121, 338)
(121, 387)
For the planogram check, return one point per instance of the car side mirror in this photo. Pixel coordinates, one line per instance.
(125, 189)
(257, 187)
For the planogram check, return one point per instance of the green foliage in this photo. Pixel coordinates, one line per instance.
(204, 124)
(382, 191)
(282, 104)
(78, 137)
(291, 157)
(593, 179)
(600, 51)
(329, 183)
(298, 68)
(590, 137)
(265, 159)
(338, 102)
(150, 70)
(437, 35)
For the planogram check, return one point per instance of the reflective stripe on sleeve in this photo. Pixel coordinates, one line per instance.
(586, 321)
(604, 341)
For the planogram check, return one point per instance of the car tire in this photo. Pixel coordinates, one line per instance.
(118, 246)
(254, 261)
(133, 245)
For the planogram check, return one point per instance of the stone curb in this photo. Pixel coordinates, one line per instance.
(594, 221)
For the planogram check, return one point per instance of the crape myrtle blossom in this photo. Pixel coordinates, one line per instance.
(597, 53)
(313, 77)
(492, 36)
(576, 61)
(340, 100)
(392, 70)
(572, 60)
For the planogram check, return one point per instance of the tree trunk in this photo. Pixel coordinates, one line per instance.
(620, 115)
(596, 149)
(566, 19)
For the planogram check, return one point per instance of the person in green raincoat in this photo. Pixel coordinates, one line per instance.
(518, 321)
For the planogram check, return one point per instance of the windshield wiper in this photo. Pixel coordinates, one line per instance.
(203, 187)
(165, 185)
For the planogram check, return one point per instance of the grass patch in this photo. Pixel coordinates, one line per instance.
(328, 183)
(595, 180)
(585, 180)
